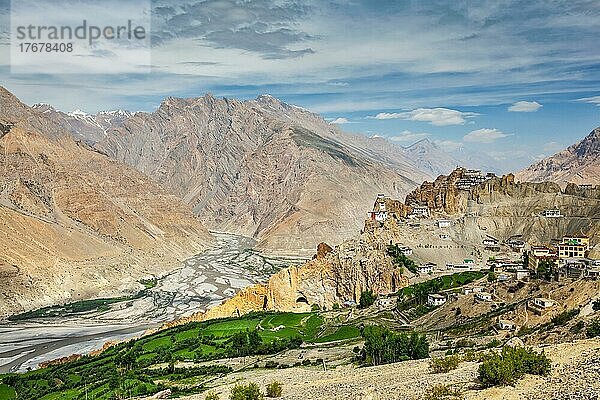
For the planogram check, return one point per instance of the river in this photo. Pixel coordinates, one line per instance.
(201, 282)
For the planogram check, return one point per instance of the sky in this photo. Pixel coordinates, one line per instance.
(510, 81)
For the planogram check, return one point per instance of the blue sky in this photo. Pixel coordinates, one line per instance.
(511, 80)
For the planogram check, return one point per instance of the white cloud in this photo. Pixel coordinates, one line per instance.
(408, 136)
(592, 100)
(525, 106)
(340, 120)
(435, 116)
(484, 135)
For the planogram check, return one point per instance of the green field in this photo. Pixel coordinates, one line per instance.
(148, 365)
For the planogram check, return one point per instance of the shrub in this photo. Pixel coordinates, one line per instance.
(578, 327)
(443, 392)
(443, 364)
(492, 277)
(493, 343)
(511, 364)
(593, 328)
(596, 305)
(211, 396)
(335, 307)
(274, 389)
(251, 391)
(367, 298)
(564, 317)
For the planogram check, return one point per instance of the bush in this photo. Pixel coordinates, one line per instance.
(593, 328)
(564, 317)
(511, 364)
(251, 391)
(212, 396)
(274, 389)
(367, 298)
(443, 392)
(596, 305)
(578, 327)
(443, 364)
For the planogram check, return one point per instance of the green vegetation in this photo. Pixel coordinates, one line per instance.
(593, 328)
(546, 270)
(413, 298)
(492, 277)
(251, 391)
(83, 306)
(274, 389)
(147, 365)
(7, 392)
(444, 364)
(564, 317)
(596, 305)
(382, 346)
(367, 299)
(211, 396)
(400, 260)
(578, 327)
(443, 392)
(511, 364)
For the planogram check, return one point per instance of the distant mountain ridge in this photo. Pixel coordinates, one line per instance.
(431, 158)
(259, 167)
(579, 164)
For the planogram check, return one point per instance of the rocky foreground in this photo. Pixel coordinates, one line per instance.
(575, 375)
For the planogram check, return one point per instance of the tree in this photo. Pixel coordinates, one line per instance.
(593, 328)
(367, 298)
(382, 346)
(596, 305)
(492, 276)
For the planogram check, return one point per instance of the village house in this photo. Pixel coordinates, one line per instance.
(420, 211)
(405, 250)
(522, 274)
(506, 325)
(425, 269)
(542, 303)
(483, 296)
(477, 289)
(444, 236)
(503, 277)
(385, 303)
(573, 247)
(490, 241)
(435, 299)
(467, 290)
(552, 213)
(444, 223)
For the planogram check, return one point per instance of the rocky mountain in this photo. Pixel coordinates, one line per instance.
(89, 128)
(261, 167)
(579, 163)
(431, 158)
(75, 224)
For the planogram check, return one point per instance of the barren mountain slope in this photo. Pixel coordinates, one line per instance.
(75, 224)
(262, 168)
(579, 163)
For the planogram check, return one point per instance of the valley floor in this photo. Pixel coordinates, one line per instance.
(202, 282)
(575, 375)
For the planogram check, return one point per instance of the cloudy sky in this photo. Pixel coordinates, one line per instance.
(509, 80)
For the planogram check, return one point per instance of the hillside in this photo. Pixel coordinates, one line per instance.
(75, 224)
(261, 167)
(579, 163)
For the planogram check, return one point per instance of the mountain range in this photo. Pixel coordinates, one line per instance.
(579, 163)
